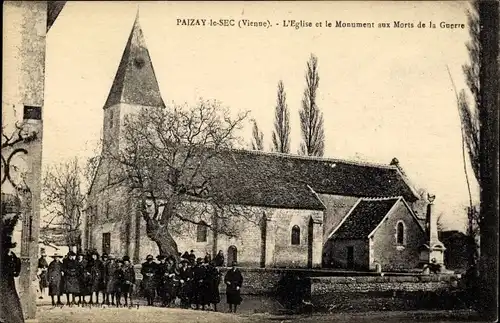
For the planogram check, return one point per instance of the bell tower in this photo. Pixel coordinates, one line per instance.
(134, 86)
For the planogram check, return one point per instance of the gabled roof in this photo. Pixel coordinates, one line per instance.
(248, 174)
(237, 178)
(135, 81)
(288, 181)
(364, 218)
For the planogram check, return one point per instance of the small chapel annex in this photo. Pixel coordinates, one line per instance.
(314, 211)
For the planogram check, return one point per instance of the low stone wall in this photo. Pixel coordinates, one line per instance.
(327, 285)
(385, 293)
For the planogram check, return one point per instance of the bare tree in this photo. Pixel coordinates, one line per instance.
(311, 118)
(92, 165)
(166, 161)
(64, 198)
(470, 126)
(281, 134)
(257, 137)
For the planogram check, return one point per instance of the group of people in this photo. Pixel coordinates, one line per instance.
(192, 282)
(82, 275)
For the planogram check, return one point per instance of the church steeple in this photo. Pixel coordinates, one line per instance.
(135, 81)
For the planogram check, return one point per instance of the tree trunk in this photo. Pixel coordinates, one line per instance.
(162, 237)
(488, 115)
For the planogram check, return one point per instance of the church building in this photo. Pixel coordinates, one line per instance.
(314, 211)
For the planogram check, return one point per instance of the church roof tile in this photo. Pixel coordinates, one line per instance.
(364, 218)
(280, 179)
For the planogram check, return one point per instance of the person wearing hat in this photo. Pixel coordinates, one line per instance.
(219, 259)
(111, 282)
(102, 288)
(161, 278)
(54, 279)
(192, 258)
(128, 280)
(42, 273)
(85, 278)
(199, 276)
(119, 278)
(213, 282)
(186, 280)
(95, 267)
(148, 271)
(172, 285)
(72, 272)
(233, 281)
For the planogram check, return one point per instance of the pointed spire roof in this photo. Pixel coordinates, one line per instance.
(135, 81)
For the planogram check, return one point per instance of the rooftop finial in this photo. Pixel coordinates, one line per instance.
(137, 14)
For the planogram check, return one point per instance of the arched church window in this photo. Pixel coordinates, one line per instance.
(295, 235)
(201, 232)
(400, 233)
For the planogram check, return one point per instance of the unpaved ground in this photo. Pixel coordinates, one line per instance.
(173, 315)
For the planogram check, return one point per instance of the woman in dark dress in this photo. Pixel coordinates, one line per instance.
(85, 279)
(119, 279)
(111, 282)
(72, 272)
(128, 280)
(199, 277)
(186, 280)
(233, 281)
(95, 267)
(148, 272)
(104, 274)
(55, 278)
(213, 281)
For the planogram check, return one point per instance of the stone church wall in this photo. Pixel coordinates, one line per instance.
(338, 254)
(254, 249)
(387, 252)
(114, 213)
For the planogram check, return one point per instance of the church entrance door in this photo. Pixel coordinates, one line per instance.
(350, 257)
(232, 255)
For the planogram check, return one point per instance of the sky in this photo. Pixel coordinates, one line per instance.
(384, 92)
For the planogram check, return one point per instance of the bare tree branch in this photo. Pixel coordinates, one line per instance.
(164, 159)
(64, 198)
